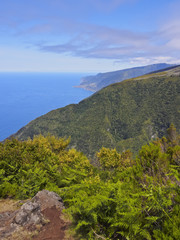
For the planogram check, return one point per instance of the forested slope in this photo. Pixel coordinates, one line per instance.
(123, 115)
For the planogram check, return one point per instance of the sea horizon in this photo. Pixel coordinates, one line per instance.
(25, 96)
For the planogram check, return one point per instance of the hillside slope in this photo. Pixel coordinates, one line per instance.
(97, 82)
(122, 115)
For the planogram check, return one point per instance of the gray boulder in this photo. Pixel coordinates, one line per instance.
(30, 215)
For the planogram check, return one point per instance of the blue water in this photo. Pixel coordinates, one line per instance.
(26, 96)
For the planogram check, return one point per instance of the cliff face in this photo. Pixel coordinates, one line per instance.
(124, 115)
(101, 80)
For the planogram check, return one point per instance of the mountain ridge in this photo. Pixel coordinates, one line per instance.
(96, 82)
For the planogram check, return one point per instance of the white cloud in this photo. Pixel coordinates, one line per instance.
(59, 29)
(101, 42)
(140, 61)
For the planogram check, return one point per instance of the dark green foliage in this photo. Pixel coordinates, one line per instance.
(30, 166)
(126, 115)
(123, 198)
(130, 199)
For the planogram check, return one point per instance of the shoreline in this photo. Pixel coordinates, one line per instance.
(85, 88)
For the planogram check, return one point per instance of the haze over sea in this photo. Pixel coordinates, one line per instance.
(26, 96)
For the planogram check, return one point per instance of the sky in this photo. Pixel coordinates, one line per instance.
(87, 35)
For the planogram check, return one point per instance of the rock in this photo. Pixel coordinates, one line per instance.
(49, 199)
(30, 215)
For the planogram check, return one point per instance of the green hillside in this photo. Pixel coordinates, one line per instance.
(122, 115)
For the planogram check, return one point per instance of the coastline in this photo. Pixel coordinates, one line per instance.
(87, 88)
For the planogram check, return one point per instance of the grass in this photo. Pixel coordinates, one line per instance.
(9, 205)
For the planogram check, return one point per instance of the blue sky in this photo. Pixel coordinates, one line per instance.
(87, 35)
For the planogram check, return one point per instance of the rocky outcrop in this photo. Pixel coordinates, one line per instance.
(34, 218)
(29, 214)
(49, 199)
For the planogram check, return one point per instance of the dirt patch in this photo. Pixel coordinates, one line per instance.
(55, 229)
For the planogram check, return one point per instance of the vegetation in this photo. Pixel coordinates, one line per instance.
(125, 115)
(30, 166)
(121, 198)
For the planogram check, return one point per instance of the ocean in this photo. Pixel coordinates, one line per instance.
(26, 96)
